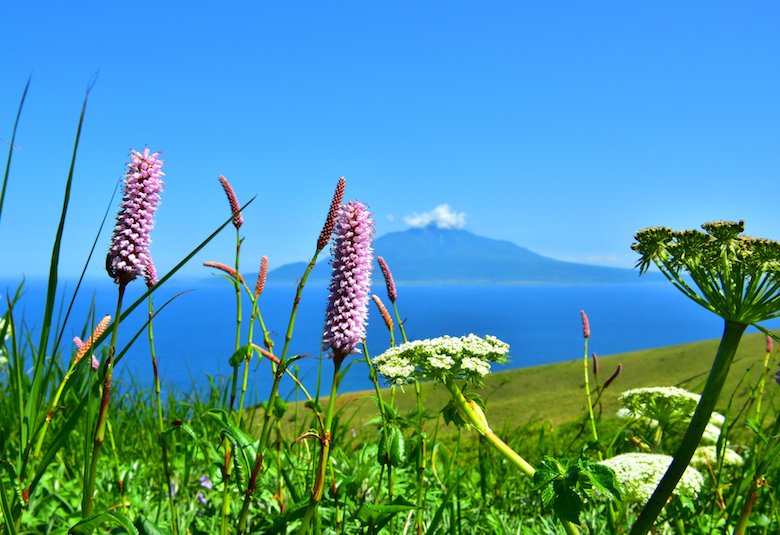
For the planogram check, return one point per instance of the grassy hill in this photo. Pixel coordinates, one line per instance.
(556, 392)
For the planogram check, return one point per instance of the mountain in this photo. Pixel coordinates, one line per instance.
(433, 256)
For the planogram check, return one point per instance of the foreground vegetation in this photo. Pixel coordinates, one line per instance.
(449, 448)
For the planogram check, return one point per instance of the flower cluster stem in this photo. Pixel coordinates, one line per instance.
(729, 343)
(479, 422)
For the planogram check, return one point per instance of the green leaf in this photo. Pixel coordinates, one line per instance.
(245, 352)
(380, 515)
(181, 426)
(314, 405)
(147, 527)
(568, 503)
(604, 480)
(548, 470)
(88, 525)
(280, 407)
(244, 446)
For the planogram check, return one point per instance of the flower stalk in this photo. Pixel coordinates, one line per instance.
(736, 277)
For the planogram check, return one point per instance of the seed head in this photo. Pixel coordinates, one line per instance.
(84, 346)
(383, 311)
(585, 325)
(129, 248)
(613, 376)
(735, 276)
(333, 212)
(392, 294)
(223, 267)
(235, 208)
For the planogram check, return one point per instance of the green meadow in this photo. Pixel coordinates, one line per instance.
(681, 439)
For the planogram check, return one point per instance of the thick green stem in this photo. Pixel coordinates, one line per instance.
(751, 500)
(732, 334)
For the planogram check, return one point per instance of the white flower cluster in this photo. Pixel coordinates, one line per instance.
(468, 356)
(705, 456)
(664, 404)
(640, 473)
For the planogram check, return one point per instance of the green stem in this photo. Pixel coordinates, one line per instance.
(237, 284)
(100, 426)
(729, 343)
(587, 394)
(400, 323)
(161, 423)
(739, 529)
(474, 416)
(316, 494)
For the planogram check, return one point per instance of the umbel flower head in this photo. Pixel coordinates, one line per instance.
(468, 356)
(129, 250)
(640, 473)
(664, 404)
(737, 277)
(347, 312)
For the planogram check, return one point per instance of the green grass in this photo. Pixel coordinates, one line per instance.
(555, 392)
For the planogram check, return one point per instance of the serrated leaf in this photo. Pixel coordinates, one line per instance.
(604, 480)
(568, 503)
(548, 494)
(548, 470)
(451, 415)
(88, 525)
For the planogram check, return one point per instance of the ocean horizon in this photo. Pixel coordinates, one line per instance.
(195, 333)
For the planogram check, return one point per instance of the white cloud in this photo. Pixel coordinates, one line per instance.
(390, 218)
(443, 216)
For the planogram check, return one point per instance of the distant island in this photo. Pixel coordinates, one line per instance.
(433, 256)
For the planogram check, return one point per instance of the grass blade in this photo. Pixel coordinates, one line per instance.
(11, 148)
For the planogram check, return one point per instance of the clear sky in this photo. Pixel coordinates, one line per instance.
(563, 127)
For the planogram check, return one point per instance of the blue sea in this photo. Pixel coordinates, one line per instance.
(194, 334)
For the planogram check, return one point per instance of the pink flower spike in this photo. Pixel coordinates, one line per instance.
(345, 320)
(128, 254)
(595, 364)
(235, 208)
(95, 363)
(261, 276)
(769, 345)
(392, 293)
(77, 341)
(150, 274)
(585, 325)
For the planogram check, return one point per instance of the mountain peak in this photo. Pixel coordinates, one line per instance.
(440, 256)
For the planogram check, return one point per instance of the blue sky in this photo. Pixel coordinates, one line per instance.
(564, 127)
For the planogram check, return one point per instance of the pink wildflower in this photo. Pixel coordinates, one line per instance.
(238, 220)
(129, 250)
(352, 264)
